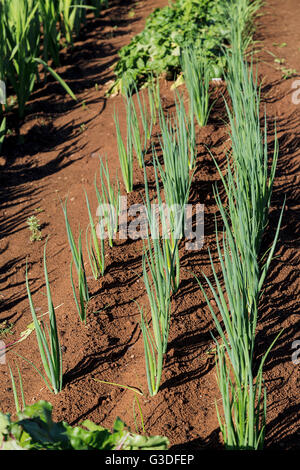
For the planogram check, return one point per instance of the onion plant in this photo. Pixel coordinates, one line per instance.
(109, 201)
(146, 117)
(137, 138)
(20, 21)
(192, 137)
(15, 392)
(243, 13)
(2, 46)
(158, 283)
(141, 137)
(248, 186)
(77, 259)
(48, 340)
(72, 13)
(175, 174)
(25, 25)
(197, 74)
(170, 221)
(98, 5)
(125, 151)
(2, 132)
(94, 247)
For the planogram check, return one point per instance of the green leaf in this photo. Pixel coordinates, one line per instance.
(57, 77)
(36, 430)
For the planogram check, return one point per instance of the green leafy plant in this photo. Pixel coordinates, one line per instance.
(288, 72)
(35, 228)
(35, 429)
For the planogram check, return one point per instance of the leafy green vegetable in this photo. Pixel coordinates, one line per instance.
(35, 430)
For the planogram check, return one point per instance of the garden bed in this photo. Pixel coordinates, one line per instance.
(58, 158)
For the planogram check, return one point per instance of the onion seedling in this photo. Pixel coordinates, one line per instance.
(109, 202)
(48, 340)
(2, 132)
(185, 132)
(137, 139)
(146, 118)
(49, 14)
(175, 174)
(248, 186)
(125, 152)
(197, 74)
(170, 219)
(95, 248)
(154, 98)
(72, 14)
(158, 285)
(249, 175)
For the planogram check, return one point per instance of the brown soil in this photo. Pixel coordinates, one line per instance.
(58, 159)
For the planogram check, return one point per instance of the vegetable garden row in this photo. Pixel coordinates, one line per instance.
(194, 41)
